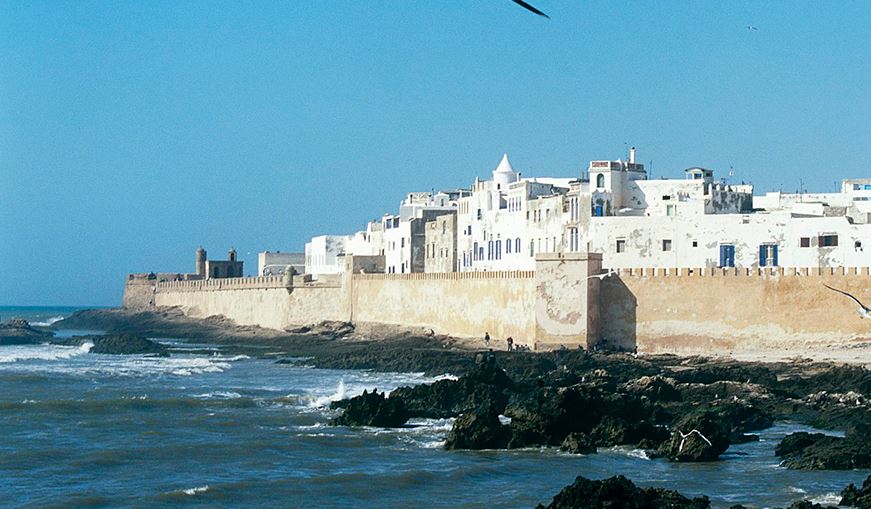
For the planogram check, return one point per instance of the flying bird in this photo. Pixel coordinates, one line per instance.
(863, 310)
(530, 8)
(603, 275)
(752, 28)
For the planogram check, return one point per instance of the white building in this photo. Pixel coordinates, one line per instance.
(275, 263)
(692, 222)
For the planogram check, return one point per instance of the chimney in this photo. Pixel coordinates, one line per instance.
(632, 155)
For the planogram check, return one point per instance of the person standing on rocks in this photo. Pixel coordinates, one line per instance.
(487, 339)
(510, 342)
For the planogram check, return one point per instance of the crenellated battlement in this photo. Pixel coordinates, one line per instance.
(743, 272)
(452, 276)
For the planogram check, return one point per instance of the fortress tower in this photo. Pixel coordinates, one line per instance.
(231, 255)
(201, 261)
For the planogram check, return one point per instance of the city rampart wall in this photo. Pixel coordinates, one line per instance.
(733, 310)
(464, 304)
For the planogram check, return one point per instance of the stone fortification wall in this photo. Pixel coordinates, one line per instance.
(465, 304)
(704, 311)
(272, 302)
(733, 310)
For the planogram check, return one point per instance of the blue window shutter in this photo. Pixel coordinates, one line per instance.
(763, 256)
(774, 256)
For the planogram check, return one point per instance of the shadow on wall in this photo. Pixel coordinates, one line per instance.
(618, 328)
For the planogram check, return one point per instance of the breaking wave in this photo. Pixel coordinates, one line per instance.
(10, 354)
(48, 322)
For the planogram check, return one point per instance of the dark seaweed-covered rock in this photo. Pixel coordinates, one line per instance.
(485, 386)
(480, 429)
(654, 388)
(616, 431)
(373, 409)
(699, 436)
(116, 344)
(578, 443)
(857, 497)
(620, 493)
(705, 372)
(815, 451)
(19, 332)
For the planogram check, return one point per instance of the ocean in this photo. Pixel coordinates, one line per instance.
(211, 430)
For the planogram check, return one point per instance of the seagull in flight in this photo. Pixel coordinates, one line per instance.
(530, 8)
(863, 310)
(752, 28)
(603, 275)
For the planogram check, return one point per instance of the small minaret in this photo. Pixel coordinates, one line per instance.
(231, 255)
(201, 261)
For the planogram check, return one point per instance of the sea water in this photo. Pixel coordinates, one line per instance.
(199, 430)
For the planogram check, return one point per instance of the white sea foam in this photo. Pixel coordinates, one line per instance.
(48, 322)
(10, 354)
(793, 489)
(827, 499)
(323, 401)
(219, 395)
(194, 491)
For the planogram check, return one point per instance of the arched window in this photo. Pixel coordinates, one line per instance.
(600, 180)
(507, 246)
(517, 245)
(475, 252)
(498, 249)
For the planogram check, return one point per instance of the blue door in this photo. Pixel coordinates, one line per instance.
(727, 255)
(597, 211)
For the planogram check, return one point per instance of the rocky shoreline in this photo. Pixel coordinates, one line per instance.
(682, 409)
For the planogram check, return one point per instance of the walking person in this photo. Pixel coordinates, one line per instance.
(487, 339)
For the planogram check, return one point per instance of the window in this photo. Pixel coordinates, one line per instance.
(804, 242)
(517, 245)
(498, 249)
(396, 222)
(490, 250)
(695, 243)
(856, 187)
(669, 210)
(402, 242)
(621, 245)
(666, 197)
(828, 240)
(857, 245)
(768, 255)
(727, 255)
(868, 187)
(508, 246)
(479, 214)
(600, 181)
(475, 251)
(531, 247)
(666, 244)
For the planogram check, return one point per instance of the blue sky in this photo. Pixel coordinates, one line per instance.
(132, 132)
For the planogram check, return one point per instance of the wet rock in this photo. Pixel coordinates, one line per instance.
(654, 388)
(620, 492)
(699, 436)
(578, 443)
(19, 332)
(616, 431)
(703, 371)
(816, 451)
(857, 497)
(116, 344)
(373, 409)
(480, 429)
(485, 386)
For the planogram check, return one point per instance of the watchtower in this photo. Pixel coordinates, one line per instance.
(201, 261)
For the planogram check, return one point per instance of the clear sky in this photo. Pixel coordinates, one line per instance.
(132, 132)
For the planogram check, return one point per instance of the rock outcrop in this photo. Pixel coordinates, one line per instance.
(857, 497)
(116, 344)
(816, 451)
(20, 332)
(372, 409)
(697, 437)
(480, 429)
(620, 492)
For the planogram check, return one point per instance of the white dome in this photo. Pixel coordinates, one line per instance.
(504, 174)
